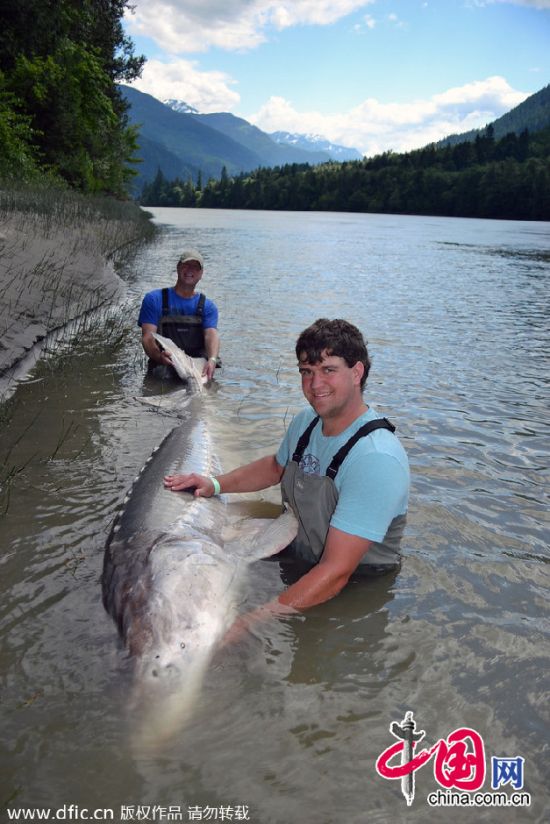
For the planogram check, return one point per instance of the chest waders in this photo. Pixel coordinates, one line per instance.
(314, 497)
(185, 330)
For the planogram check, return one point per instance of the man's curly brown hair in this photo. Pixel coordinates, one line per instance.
(336, 337)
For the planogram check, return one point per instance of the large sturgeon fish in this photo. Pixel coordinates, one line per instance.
(172, 569)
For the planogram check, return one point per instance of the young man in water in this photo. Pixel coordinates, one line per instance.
(183, 315)
(341, 469)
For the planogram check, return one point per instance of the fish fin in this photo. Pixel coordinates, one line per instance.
(261, 537)
(173, 403)
(243, 529)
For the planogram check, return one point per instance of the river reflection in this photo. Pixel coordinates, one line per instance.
(292, 719)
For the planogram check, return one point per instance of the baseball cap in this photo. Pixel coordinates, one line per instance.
(191, 254)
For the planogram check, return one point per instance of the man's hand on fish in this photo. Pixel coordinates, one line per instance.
(163, 355)
(209, 368)
(200, 485)
(165, 358)
(243, 623)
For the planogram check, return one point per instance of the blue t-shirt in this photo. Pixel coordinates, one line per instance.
(372, 482)
(151, 308)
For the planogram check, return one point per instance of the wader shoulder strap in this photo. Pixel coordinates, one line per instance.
(304, 440)
(336, 463)
(200, 305)
(165, 302)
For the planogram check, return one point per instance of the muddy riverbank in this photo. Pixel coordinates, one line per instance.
(57, 264)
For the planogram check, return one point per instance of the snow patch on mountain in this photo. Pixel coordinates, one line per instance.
(316, 143)
(180, 106)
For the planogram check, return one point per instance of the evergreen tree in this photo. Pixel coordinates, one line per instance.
(512, 181)
(61, 62)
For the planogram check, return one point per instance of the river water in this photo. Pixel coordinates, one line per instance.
(292, 719)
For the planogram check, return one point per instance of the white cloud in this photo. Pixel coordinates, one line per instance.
(536, 4)
(181, 26)
(491, 94)
(374, 127)
(368, 22)
(206, 91)
(317, 12)
(393, 18)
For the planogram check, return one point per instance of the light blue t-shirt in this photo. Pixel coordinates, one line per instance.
(372, 482)
(151, 308)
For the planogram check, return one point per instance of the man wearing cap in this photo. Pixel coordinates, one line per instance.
(183, 315)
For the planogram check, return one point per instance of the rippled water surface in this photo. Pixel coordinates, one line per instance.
(292, 719)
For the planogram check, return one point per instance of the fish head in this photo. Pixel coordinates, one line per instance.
(171, 670)
(164, 699)
(170, 674)
(189, 609)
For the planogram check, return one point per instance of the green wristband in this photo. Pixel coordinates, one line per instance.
(217, 487)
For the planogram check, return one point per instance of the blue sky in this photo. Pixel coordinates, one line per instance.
(373, 74)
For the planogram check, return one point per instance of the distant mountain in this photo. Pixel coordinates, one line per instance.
(175, 138)
(533, 114)
(318, 148)
(179, 144)
(187, 144)
(316, 143)
(269, 152)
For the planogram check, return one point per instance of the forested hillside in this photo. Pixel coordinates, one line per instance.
(533, 114)
(507, 178)
(61, 114)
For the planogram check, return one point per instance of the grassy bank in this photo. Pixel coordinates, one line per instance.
(58, 251)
